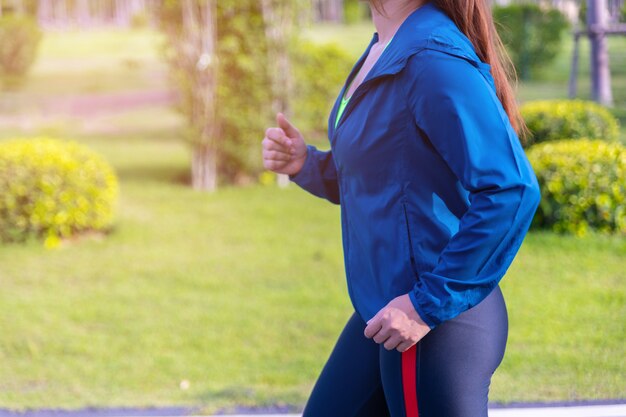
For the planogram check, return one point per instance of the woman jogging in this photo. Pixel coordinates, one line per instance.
(436, 196)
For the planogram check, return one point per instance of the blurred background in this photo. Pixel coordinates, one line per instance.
(148, 259)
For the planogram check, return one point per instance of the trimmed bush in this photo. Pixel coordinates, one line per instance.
(558, 119)
(53, 189)
(532, 34)
(19, 41)
(583, 186)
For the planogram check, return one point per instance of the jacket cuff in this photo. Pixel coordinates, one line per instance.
(428, 320)
(305, 171)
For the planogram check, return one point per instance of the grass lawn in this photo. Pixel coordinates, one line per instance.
(97, 61)
(242, 292)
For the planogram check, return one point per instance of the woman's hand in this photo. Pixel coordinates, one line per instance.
(397, 325)
(284, 149)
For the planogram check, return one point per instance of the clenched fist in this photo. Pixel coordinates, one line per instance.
(284, 149)
(397, 325)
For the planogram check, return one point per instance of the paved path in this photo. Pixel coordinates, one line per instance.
(614, 408)
(27, 113)
(617, 410)
(94, 104)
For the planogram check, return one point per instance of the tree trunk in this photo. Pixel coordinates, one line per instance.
(204, 168)
(121, 12)
(333, 10)
(573, 75)
(199, 46)
(60, 13)
(18, 7)
(328, 10)
(600, 72)
(81, 12)
(279, 22)
(43, 12)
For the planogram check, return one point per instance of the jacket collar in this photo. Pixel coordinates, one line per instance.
(428, 27)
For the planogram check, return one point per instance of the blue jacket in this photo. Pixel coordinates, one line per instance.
(436, 192)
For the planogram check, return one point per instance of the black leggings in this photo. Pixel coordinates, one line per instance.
(446, 374)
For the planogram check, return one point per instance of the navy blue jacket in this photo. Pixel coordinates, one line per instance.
(436, 192)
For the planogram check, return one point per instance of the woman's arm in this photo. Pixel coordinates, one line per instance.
(318, 175)
(458, 111)
(286, 152)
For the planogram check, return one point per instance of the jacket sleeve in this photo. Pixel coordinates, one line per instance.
(318, 175)
(455, 107)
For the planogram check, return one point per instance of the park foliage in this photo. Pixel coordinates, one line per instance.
(241, 69)
(557, 119)
(20, 37)
(319, 72)
(531, 33)
(583, 185)
(244, 95)
(53, 189)
(580, 166)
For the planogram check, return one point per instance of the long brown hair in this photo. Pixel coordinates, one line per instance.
(474, 19)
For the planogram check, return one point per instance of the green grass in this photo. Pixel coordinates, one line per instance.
(242, 292)
(96, 61)
(567, 300)
(189, 286)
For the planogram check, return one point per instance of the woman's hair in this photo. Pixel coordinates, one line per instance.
(473, 18)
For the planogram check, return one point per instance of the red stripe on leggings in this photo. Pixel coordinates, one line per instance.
(408, 381)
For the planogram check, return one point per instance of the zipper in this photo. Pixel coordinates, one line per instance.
(355, 96)
(408, 233)
(368, 79)
(347, 252)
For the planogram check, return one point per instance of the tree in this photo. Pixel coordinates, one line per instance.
(329, 10)
(194, 59)
(531, 33)
(20, 38)
(199, 26)
(217, 56)
(279, 17)
(81, 11)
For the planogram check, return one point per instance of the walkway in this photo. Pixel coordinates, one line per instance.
(613, 408)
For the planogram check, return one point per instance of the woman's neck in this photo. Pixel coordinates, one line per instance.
(396, 11)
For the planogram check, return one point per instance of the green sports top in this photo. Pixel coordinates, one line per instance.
(344, 99)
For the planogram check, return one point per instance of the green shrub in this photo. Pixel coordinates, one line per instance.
(583, 185)
(53, 189)
(558, 119)
(320, 71)
(19, 41)
(531, 34)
